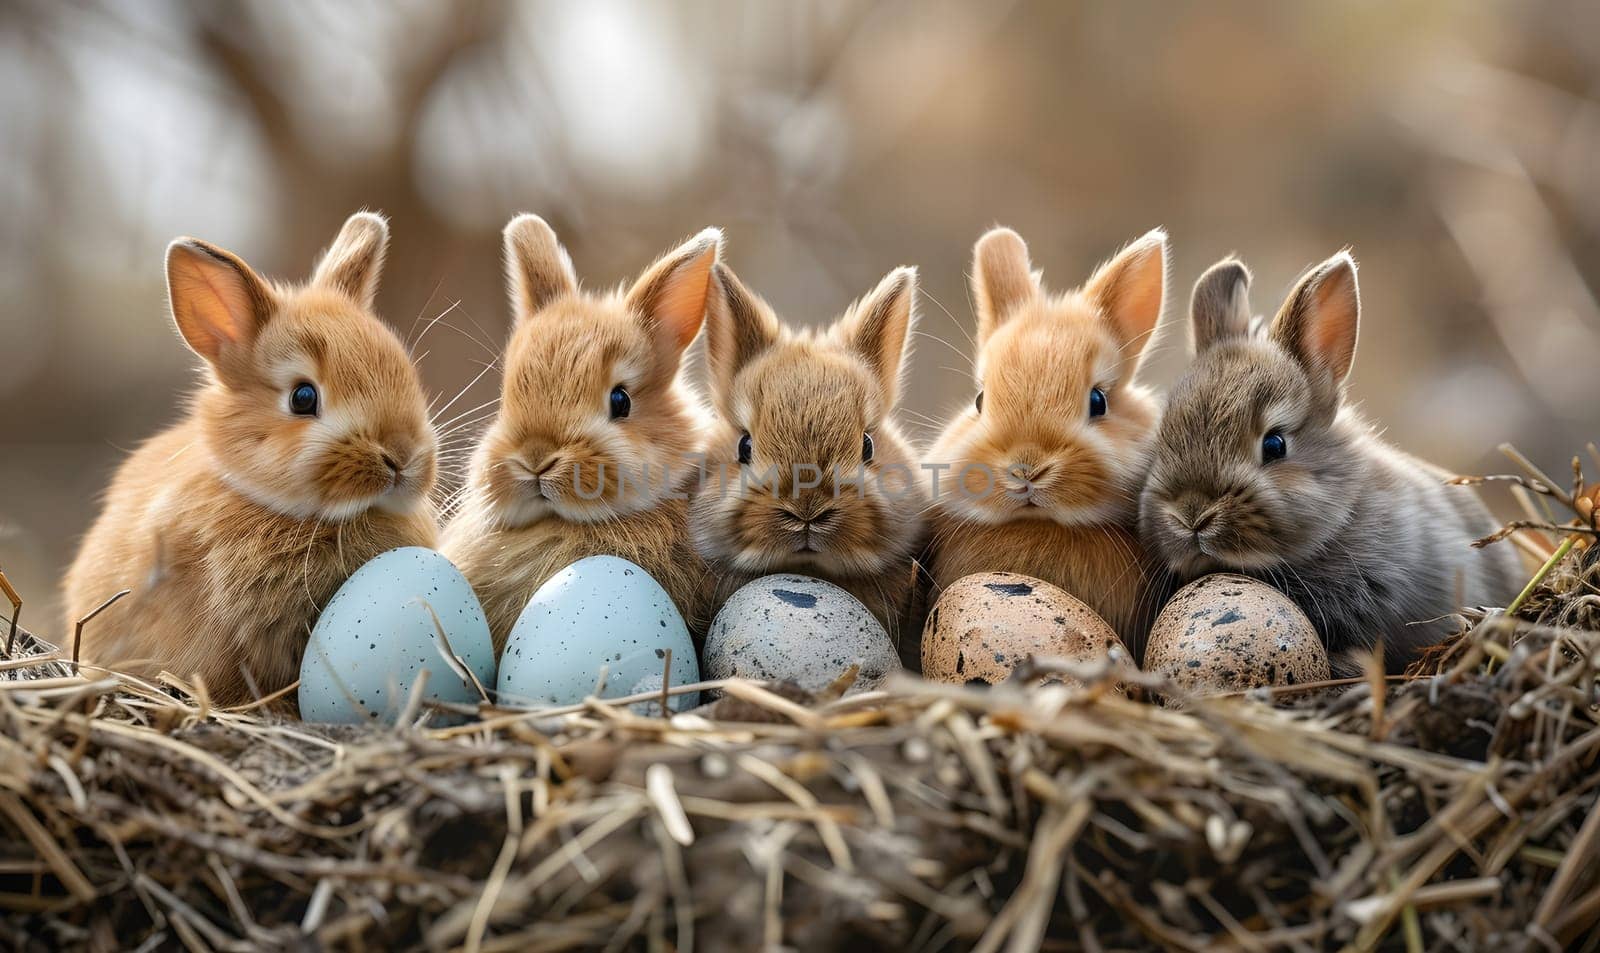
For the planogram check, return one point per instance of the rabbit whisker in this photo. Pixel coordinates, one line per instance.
(934, 337)
(956, 323)
(434, 414)
(446, 425)
(457, 329)
(434, 291)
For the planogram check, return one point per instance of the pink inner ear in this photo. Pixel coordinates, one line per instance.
(1132, 300)
(214, 311)
(1331, 339)
(1136, 315)
(1130, 289)
(1333, 329)
(676, 303)
(682, 305)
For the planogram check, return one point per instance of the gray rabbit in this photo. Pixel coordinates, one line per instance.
(1262, 468)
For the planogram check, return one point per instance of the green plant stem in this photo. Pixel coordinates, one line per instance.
(1538, 577)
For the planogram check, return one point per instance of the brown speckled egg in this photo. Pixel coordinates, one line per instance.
(985, 624)
(1226, 632)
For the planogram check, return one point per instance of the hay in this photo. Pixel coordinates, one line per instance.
(1456, 810)
(1452, 810)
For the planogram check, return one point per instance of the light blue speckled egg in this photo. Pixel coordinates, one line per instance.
(602, 612)
(376, 634)
(798, 629)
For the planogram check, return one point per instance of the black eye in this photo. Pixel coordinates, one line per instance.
(621, 403)
(303, 399)
(979, 402)
(1097, 402)
(1274, 447)
(866, 448)
(744, 449)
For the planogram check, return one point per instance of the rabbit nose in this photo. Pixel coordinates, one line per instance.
(1195, 514)
(822, 518)
(810, 520)
(1030, 473)
(393, 464)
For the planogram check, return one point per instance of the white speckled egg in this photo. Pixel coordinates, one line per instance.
(1226, 632)
(986, 624)
(602, 612)
(797, 629)
(376, 634)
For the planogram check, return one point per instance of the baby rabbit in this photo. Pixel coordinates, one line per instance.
(1045, 466)
(306, 452)
(592, 450)
(805, 469)
(1262, 468)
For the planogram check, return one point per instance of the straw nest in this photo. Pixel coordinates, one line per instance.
(1452, 810)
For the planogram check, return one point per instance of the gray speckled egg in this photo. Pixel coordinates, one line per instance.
(602, 612)
(985, 624)
(376, 634)
(798, 629)
(1226, 632)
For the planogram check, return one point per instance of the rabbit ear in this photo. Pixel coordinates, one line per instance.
(1220, 306)
(879, 325)
(1318, 323)
(672, 294)
(218, 302)
(739, 326)
(355, 259)
(1130, 290)
(538, 268)
(1002, 278)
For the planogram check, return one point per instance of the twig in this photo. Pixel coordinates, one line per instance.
(77, 631)
(666, 682)
(16, 611)
(1582, 856)
(1550, 486)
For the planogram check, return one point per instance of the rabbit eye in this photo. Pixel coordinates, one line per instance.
(1097, 402)
(303, 399)
(1274, 446)
(744, 449)
(866, 448)
(621, 403)
(979, 402)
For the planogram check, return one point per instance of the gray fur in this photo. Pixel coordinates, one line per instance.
(1368, 540)
(1219, 308)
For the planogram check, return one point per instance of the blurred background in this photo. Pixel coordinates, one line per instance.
(1454, 146)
